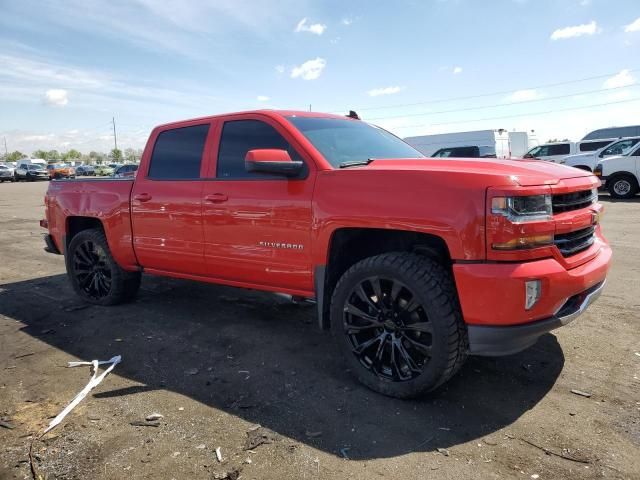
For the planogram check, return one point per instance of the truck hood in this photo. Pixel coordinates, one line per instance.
(518, 172)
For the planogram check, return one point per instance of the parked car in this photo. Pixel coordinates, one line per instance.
(31, 161)
(31, 172)
(588, 161)
(126, 171)
(61, 170)
(103, 170)
(85, 171)
(414, 262)
(472, 151)
(620, 174)
(6, 173)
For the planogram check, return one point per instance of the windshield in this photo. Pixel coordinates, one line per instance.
(342, 141)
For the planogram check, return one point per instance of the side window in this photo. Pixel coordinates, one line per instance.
(560, 149)
(620, 148)
(177, 154)
(443, 153)
(543, 151)
(593, 146)
(240, 136)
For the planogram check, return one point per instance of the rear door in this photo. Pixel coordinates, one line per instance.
(257, 226)
(166, 201)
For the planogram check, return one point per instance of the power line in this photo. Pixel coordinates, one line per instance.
(544, 99)
(481, 95)
(584, 107)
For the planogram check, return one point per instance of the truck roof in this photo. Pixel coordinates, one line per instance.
(266, 111)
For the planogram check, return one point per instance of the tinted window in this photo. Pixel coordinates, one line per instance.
(559, 149)
(177, 153)
(593, 146)
(240, 136)
(343, 140)
(458, 152)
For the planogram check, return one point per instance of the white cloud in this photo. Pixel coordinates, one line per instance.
(262, 98)
(633, 27)
(57, 97)
(585, 3)
(575, 31)
(622, 79)
(347, 21)
(316, 28)
(376, 92)
(524, 95)
(280, 68)
(309, 70)
(457, 70)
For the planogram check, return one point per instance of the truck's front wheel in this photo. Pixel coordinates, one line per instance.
(94, 274)
(397, 320)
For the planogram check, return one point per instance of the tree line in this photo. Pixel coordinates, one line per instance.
(73, 155)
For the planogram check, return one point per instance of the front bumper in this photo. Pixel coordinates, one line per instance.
(492, 297)
(496, 341)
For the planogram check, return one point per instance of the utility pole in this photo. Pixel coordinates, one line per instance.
(115, 138)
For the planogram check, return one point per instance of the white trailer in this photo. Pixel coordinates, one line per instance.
(505, 144)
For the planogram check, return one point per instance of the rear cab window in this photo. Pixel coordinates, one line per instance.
(177, 153)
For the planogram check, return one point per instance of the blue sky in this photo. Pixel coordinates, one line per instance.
(67, 67)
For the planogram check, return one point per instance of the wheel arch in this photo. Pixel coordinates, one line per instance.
(349, 245)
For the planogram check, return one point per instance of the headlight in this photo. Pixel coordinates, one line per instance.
(523, 209)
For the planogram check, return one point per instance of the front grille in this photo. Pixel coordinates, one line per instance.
(567, 202)
(575, 242)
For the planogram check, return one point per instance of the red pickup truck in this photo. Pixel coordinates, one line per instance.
(414, 262)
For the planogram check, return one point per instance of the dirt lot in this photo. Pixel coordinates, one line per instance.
(217, 361)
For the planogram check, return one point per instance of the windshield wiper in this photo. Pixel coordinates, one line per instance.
(356, 163)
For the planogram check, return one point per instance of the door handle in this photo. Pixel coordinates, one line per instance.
(216, 198)
(142, 197)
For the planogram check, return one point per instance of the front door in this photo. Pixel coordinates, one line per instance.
(257, 226)
(166, 202)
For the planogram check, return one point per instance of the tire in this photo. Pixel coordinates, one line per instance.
(94, 274)
(414, 338)
(622, 186)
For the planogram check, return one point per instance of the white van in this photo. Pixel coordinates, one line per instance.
(558, 151)
(621, 174)
(588, 161)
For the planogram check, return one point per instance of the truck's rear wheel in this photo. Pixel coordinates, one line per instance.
(397, 320)
(93, 272)
(622, 186)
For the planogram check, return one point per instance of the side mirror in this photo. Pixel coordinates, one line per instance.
(273, 161)
(527, 155)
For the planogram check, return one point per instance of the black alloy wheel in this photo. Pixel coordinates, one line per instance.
(397, 321)
(94, 273)
(92, 270)
(388, 328)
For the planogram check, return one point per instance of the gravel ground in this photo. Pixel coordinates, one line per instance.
(218, 362)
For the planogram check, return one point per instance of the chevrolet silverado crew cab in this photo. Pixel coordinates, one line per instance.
(414, 262)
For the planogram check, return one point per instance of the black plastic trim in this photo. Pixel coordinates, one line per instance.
(51, 246)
